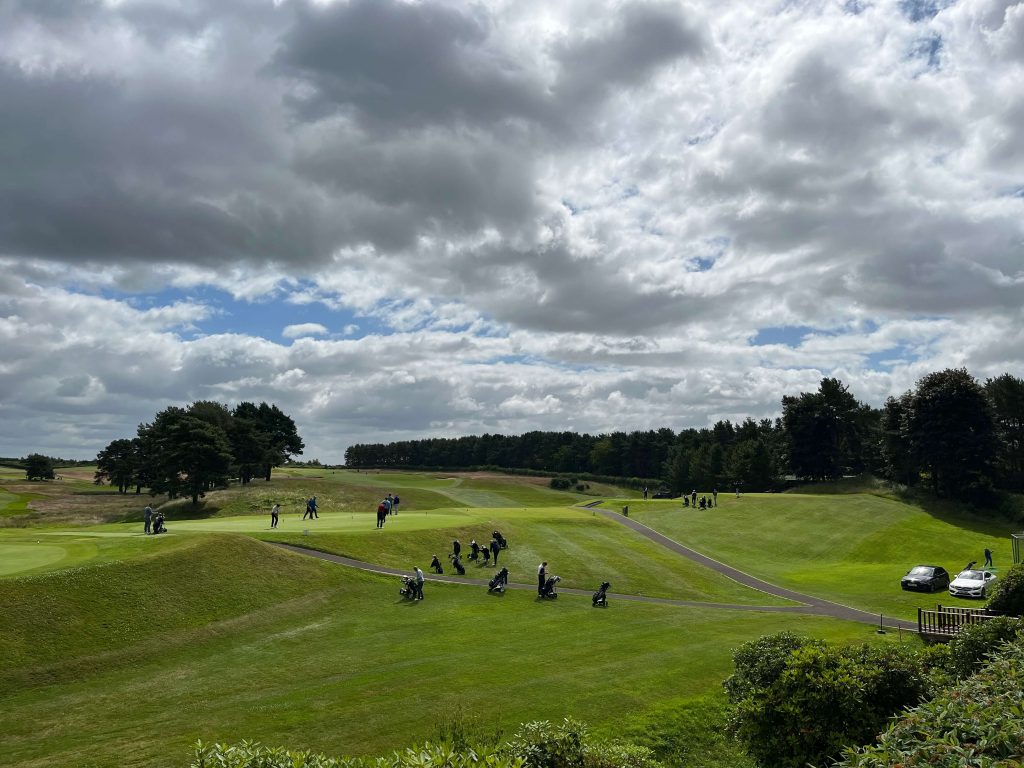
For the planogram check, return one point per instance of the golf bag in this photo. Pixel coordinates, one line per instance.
(410, 589)
(601, 596)
(549, 587)
(158, 523)
(435, 565)
(457, 565)
(499, 582)
(500, 539)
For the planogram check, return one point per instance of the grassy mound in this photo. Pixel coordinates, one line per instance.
(64, 623)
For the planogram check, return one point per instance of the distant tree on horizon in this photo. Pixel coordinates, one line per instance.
(38, 467)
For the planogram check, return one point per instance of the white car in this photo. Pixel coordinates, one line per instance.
(972, 583)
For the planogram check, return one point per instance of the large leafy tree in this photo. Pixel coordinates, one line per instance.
(750, 464)
(190, 455)
(953, 433)
(118, 464)
(899, 461)
(825, 431)
(1006, 395)
(281, 438)
(38, 467)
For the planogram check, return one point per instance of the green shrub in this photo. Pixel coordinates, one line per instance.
(561, 483)
(970, 648)
(977, 724)
(827, 699)
(253, 755)
(760, 662)
(1008, 595)
(535, 745)
(540, 744)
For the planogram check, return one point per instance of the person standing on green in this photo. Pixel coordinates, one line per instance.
(275, 512)
(147, 516)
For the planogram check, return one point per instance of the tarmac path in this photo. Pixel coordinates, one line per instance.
(812, 605)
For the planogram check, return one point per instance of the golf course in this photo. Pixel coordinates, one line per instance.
(122, 649)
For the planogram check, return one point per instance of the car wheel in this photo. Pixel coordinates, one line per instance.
(984, 591)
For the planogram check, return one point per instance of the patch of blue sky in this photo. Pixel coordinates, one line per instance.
(1013, 192)
(929, 50)
(569, 206)
(923, 10)
(534, 360)
(788, 335)
(855, 7)
(716, 247)
(887, 358)
(631, 191)
(266, 318)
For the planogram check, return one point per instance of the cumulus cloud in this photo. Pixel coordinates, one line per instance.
(519, 215)
(303, 329)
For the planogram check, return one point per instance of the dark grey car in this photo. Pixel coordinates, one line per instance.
(926, 578)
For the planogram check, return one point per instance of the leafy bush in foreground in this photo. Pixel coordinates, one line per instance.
(826, 699)
(249, 754)
(535, 745)
(540, 744)
(1008, 595)
(969, 649)
(977, 724)
(760, 662)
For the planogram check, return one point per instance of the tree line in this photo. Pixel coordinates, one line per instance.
(188, 451)
(962, 438)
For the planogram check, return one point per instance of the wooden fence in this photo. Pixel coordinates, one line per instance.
(942, 624)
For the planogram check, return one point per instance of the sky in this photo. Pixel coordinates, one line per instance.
(400, 220)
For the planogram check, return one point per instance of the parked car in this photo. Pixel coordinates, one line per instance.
(926, 578)
(971, 583)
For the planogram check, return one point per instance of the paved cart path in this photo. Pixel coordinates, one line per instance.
(814, 605)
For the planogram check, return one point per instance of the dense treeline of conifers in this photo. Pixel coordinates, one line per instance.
(961, 438)
(188, 451)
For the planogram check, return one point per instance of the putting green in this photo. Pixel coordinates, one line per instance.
(21, 557)
(329, 521)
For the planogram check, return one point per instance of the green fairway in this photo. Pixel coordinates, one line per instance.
(230, 639)
(582, 548)
(12, 504)
(850, 548)
(120, 649)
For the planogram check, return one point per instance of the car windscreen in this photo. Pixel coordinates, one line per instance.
(974, 575)
(920, 570)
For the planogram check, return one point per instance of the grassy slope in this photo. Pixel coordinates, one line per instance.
(56, 625)
(249, 642)
(581, 548)
(852, 548)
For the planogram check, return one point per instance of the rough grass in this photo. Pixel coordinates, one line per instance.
(126, 664)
